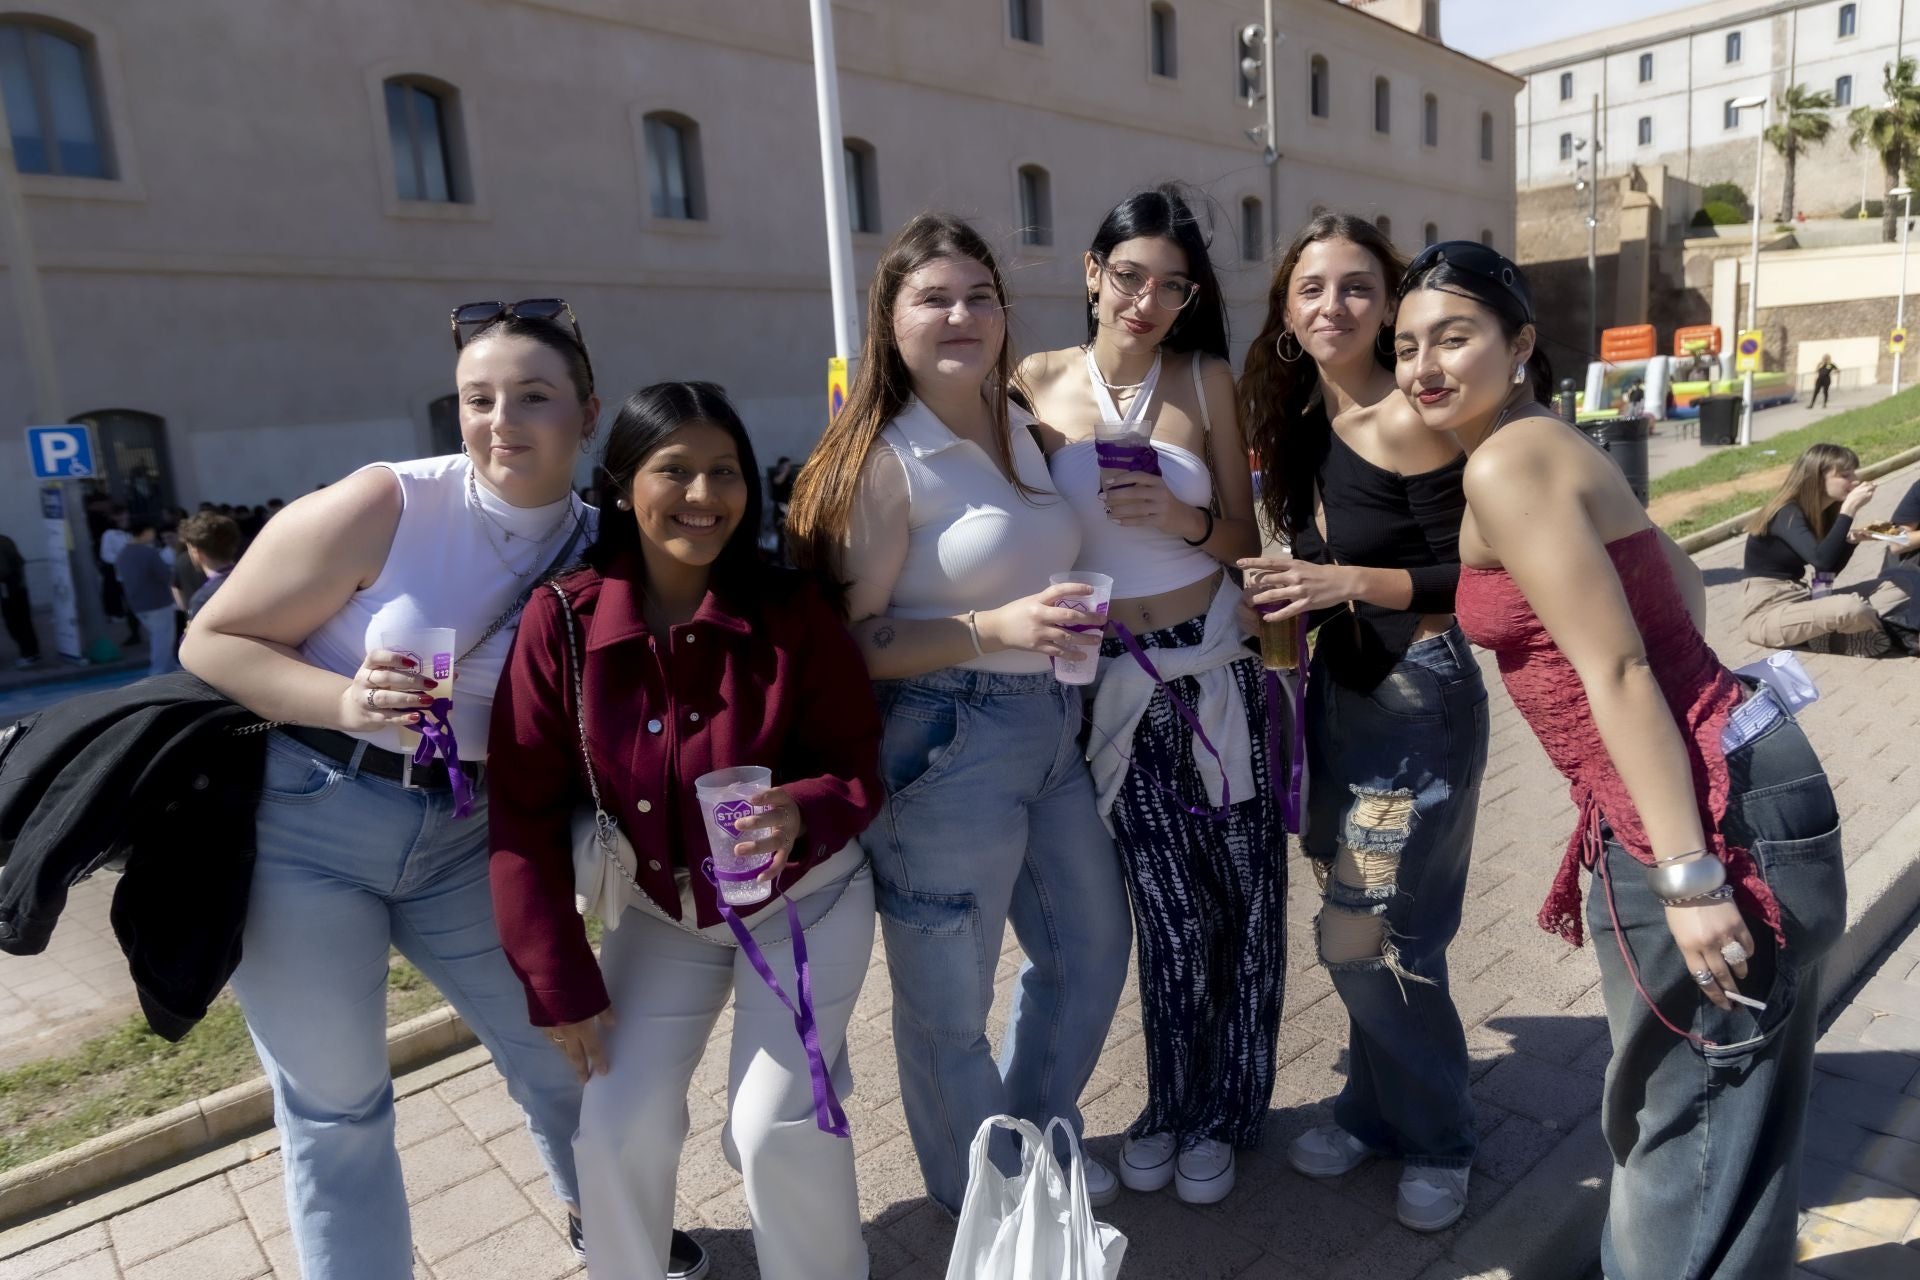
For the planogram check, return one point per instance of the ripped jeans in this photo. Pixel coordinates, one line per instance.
(1394, 783)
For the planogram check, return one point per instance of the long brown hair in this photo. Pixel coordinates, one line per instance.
(823, 494)
(1806, 485)
(1286, 428)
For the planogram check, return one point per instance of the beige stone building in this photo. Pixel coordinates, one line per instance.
(250, 217)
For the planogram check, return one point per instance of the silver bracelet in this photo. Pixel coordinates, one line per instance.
(973, 633)
(1677, 881)
(1722, 894)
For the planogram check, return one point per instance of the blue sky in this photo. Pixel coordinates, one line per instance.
(1484, 28)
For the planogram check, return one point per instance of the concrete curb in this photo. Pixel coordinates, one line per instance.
(1714, 535)
(1548, 1226)
(195, 1127)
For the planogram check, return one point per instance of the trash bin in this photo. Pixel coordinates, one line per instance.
(1719, 419)
(1625, 440)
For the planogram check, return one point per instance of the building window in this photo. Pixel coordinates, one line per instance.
(1432, 233)
(1733, 46)
(1163, 40)
(1486, 135)
(1730, 115)
(863, 186)
(1646, 67)
(1382, 105)
(1849, 20)
(1253, 230)
(423, 127)
(1036, 206)
(1385, 225)
(1430, 121)
(1023, 20)
(1486, 236)
(674, 182)
(1646, 131)
(1317, 87)
(1566, 146)
(53, 101)
(1843, 91)
(1566, 85)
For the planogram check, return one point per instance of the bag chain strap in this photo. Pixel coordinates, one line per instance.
(602, 823)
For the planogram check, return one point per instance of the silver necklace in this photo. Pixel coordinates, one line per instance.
(1117, 386)
(488, 523)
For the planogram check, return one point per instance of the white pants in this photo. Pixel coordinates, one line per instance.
(668, 988)
(158, 624)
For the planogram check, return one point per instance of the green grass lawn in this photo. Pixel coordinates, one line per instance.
(1873, 431)
(129, 1073)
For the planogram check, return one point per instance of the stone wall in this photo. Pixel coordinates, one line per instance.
(1787, 329)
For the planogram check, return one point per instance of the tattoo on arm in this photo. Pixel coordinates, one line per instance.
(882, 636)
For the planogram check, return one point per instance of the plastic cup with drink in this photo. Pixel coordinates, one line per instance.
(1279, 637)
(726, 798)
(1122, 449)
(1083, 669)
(432, 651)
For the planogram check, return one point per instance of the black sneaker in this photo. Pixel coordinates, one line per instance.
(686, 1260)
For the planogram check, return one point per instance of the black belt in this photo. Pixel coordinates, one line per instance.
(394, 766)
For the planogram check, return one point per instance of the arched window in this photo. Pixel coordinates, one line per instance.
(132, 459)
(1385, 225)
(1566, 85)
(1486, 135)
(423, 126)
(1318, 87)
(1431, 232)
(1036, 206)
(1253, 230)
(1849, 20)
(675, 185)
(52, 92)
(1163, 40)
(1382, 105)
(1566, 146)
(863, 186)
(1430, 121)
(1646, 68)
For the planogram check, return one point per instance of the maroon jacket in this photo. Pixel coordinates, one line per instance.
(779, 684)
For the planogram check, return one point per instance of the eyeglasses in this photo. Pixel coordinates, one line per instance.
(469, 318)
(1129, 282)
(1470, 255)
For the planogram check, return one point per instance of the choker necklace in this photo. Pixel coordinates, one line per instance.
(1121, 386)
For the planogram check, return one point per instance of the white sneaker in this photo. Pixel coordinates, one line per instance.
(1327, 1151)
(1146, 1164)
(1102, 1187)
(1431, 1199)
(1204, 1172)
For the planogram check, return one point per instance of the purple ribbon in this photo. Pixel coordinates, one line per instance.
(1290, 786)
(436, 734)
(1113, 456)
(827, 1112)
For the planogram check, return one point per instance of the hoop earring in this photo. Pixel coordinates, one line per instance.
(463, 448)
(1280, 346)
(1519, 373)
(1383, 342)
(586, 443)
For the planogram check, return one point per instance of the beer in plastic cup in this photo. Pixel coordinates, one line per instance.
(432, 651)
(1279, 643)
(726, 796)
(1083, 669)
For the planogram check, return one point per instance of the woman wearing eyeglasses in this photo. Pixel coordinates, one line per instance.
(1706, 822)
(1396, 719)
(1139, 422)
(370, 835)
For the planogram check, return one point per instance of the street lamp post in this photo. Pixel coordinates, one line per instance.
(1753, 263)
(826, 87)
(1900, 308)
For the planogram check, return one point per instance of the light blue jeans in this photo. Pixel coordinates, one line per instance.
(348, 866)
(990, 820)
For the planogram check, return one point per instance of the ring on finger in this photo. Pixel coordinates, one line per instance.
(1734, 953)
(1704, 977)
(370, 692)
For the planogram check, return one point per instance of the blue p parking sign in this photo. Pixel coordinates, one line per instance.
(60, 453)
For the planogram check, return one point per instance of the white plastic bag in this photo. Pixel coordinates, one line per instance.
(1036, 1225)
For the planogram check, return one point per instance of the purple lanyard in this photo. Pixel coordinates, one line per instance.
(827, 1112)
(436, 734)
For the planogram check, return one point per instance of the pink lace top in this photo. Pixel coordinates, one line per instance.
(1544, 686)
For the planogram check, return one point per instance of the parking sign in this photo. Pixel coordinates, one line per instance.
(60, 453)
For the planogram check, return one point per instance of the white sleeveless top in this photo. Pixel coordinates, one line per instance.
(1141, 561)
(973, 540)
(444, 572)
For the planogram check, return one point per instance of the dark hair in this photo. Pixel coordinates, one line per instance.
(1286, 428)
(213, 535)
(645, 422)
(1510, 303)
(1165, 213)
(141, 524)
(549, 335)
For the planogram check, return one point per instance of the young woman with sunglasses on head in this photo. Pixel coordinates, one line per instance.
(1201, 837)
(676, 653)
(364, 843)
(1396, 716)
(929, 496)
(1705, 818)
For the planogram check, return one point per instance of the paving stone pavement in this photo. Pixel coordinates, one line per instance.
(1531, 1003)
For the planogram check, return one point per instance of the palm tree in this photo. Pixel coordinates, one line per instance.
(1803, 124)
(1891, 129)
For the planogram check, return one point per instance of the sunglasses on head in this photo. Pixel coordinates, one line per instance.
(1475, 258)
(469, 318)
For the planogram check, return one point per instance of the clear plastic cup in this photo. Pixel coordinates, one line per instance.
(726, 796)
(432, 651)
(1082, 670)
